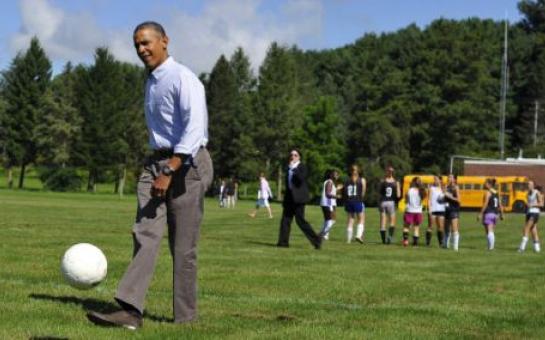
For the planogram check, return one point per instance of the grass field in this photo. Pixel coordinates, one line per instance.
(250, 289)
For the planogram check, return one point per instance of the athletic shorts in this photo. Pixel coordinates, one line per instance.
(438, 213)
(490, 218)
(452, 214)
(534, 216)
(412, 218)
(354, 207)
(328, 212)
(387, 207)
(262, 202)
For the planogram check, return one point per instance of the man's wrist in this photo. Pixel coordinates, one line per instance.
(167, 170)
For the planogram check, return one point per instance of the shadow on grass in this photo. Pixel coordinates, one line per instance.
(89, 304)
(268, 244)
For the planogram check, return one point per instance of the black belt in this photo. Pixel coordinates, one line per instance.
(166, 153)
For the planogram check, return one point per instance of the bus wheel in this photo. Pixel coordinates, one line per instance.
(519, 206)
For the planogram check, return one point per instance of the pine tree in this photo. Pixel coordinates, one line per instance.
(100, 90)
(26, 82)
(221, 95)
(277, 107)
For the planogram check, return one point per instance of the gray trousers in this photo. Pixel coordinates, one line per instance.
(182, 211)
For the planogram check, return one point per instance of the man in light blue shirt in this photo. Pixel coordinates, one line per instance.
(172, 185)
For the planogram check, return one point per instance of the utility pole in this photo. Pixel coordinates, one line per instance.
(504, 88)
(536, 110)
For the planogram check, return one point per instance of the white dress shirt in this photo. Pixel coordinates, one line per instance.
(175, 107)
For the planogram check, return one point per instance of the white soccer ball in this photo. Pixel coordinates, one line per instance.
(84, 266)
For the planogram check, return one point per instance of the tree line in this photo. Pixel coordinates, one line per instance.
(410, 98)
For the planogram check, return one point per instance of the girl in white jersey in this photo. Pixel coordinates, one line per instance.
(328, 202)
(413, 211)
(535, 202)
(436, 207)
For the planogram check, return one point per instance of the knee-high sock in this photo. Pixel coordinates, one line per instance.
(390, 237)
(428, 237)
(523, 243)
(456, 240)
(440, 238)
(328, 225)
(491, 240)
(383, 235)
(349, 234)
(360, 230)
(537, 246)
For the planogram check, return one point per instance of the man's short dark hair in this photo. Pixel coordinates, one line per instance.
(157, 27)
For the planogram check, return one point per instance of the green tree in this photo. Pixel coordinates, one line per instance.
(245, 162)
(221, 95)
(321, 140)
(26, 82)
(101, 91)
(278, 111)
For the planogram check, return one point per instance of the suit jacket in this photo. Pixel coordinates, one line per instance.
(299, 188)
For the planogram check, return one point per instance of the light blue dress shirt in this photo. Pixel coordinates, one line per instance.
(175, 107)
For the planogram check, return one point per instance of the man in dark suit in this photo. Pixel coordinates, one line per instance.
(295, 198)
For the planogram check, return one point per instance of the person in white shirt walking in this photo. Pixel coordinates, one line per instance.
(328, 202)
(535, 202)
(172, 185)
(264, 193)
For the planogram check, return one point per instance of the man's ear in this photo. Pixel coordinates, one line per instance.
(164, 42)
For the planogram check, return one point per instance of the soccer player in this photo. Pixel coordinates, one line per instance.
(535, 202)
(413, 211)
(389, 191)
(328, 202)
(491, 209)
(452, 213)
(353, 193)
(436, 208)
(263, 195)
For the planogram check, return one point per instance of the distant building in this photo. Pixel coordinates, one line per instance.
(533, 168)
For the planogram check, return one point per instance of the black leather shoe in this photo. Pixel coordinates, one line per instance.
(122, 318)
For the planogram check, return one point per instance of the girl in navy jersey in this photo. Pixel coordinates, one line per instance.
(328, 202)
(353, 192)
(535, 202)
(389, 191)
(436, 208)
(413, 211)
(490, 211)
(452, 213)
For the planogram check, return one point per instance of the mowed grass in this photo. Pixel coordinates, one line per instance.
(250, 289)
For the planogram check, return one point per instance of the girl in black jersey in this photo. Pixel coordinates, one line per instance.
(353, 192)
(389, 191)
(491, 209)
(452, 213)
(535, 202)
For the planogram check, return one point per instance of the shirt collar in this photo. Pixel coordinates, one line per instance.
(162, 69)
(294, 165)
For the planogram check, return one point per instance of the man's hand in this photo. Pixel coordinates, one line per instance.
(160, 186)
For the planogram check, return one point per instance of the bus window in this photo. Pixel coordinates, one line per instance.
(504, 187)
(520, 186)
(468, 186)
(477, 187)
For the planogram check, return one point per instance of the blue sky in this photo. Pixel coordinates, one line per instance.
(202, 30)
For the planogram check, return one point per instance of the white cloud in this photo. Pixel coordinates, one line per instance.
(196, 40)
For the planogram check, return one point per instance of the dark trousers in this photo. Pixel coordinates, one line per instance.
(296, 210)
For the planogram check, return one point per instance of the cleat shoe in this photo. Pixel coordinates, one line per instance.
(359, 239)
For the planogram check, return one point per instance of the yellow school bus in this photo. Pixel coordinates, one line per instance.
(512, 191)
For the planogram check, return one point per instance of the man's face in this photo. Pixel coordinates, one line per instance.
(151, 47)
